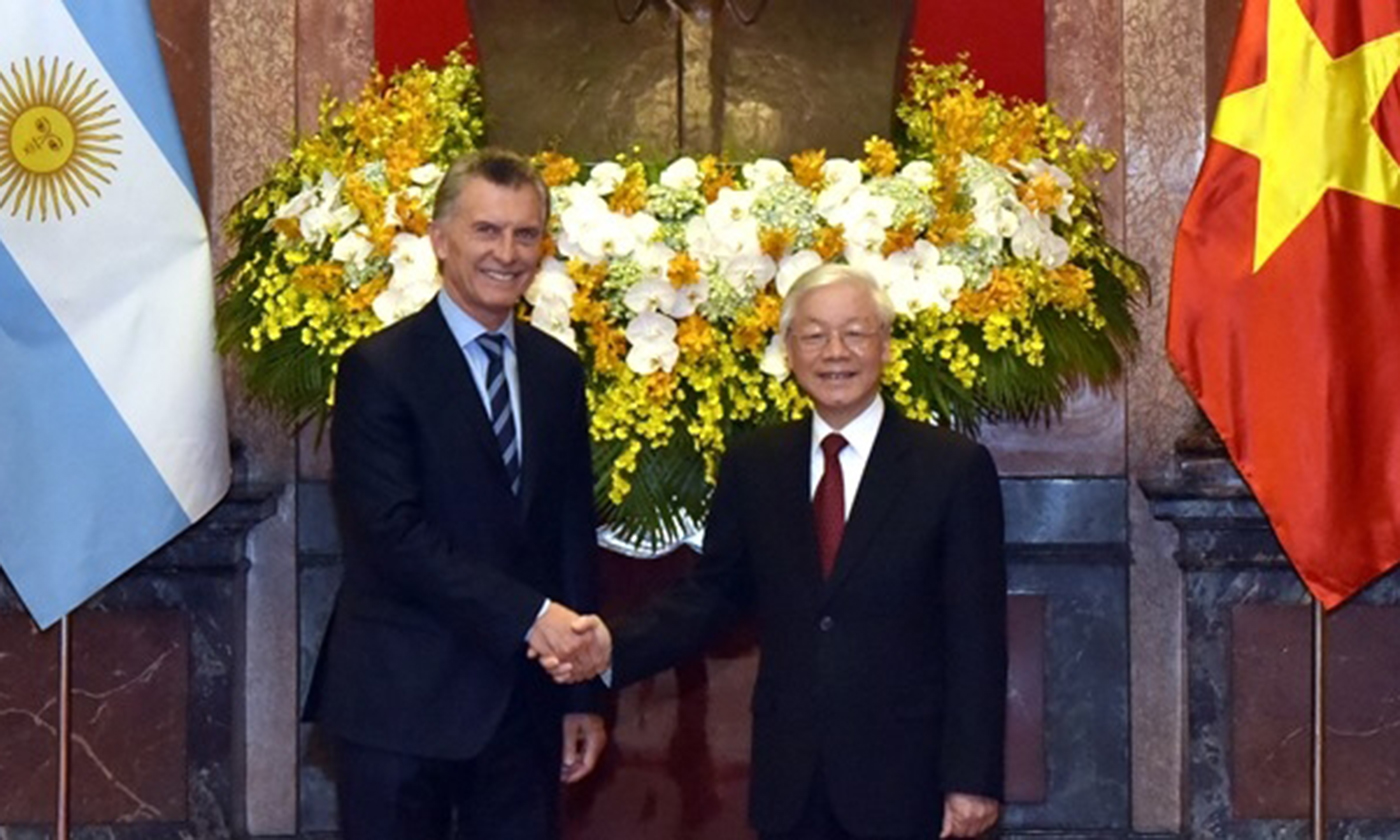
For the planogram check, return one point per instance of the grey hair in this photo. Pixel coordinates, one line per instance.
(828, 274)
(498, 166)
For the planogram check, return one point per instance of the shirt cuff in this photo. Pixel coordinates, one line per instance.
(539, 615)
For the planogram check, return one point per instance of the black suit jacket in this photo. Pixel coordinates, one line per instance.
(445, 569)
(890, 676)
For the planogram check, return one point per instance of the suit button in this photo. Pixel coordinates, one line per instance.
(826, 623)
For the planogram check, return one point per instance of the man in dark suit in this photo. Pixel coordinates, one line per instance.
(869, 549)
(463, 484)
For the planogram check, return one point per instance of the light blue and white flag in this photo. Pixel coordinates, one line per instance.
(112, 427)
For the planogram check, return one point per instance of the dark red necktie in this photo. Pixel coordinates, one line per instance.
(829, 504)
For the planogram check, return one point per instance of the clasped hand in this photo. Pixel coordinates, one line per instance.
(572, 648)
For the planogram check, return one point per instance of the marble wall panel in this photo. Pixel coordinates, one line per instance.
(1086, 694)
(28, 721)
(253, 96)
(130, 698)
(182, 27)
(1164, 128)
(1249, 653)
(253, 113)
(1026, 771)
(1271, 712)
(334, 52)
(154, 670)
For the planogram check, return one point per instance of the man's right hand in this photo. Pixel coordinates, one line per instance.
(571, 647)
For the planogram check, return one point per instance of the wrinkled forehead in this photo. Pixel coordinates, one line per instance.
(480, 198)
(837, 305)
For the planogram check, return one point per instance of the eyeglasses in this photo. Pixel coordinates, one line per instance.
(857, 341)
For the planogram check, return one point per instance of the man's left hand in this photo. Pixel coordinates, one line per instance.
(584, 738)
(968, 815)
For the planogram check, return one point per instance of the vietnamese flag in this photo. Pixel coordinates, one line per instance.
(1285, 300)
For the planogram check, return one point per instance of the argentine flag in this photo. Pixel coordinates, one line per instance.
(112, 427)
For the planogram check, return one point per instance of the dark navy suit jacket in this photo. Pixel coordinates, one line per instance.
(889, 676)
(446, 569)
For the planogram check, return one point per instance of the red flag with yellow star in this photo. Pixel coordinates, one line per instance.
(1285, 303)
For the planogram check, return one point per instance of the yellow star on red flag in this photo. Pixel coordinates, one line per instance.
(1310, 124)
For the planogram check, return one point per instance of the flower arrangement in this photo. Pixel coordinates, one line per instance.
(980, 219)
(333, 244)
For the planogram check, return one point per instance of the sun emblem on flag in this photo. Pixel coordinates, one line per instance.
(57, 139)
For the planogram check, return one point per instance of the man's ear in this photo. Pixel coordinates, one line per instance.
(437, 237)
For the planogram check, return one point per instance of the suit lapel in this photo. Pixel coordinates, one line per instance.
(884, 481)
(534, 409)
(791, 501)
(444, 371)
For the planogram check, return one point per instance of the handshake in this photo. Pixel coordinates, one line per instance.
(572, 648)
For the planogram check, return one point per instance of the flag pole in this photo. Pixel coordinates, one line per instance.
(1319, 721)
(64, 730)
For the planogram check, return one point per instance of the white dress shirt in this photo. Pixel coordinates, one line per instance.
(466, 330)
(860, 437)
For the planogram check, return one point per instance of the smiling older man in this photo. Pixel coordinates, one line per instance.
(869, 547)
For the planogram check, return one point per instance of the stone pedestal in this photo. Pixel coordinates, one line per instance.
(156, 680)
(1249, 663)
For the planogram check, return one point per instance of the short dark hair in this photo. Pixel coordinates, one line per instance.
(498, 166)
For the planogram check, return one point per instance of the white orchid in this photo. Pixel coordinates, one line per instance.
(765, 172)
(650, 296)
(551, 316)
(690, 298)
(774, 361)
(605, 177)
(353, 248)
(749, 272)
(919, 172)
(1055, 177)
(552, 295)
(552, 281)
(653, 339)
(654, 257)
(427, 175)
(726, 229)
(865, 217)
(565, 196)
(327, 220)
(793, 266)
(1035, 239)
(297, 204)
(842, 178)
(917, 280)
(414, 280)
(413, 260)
(683, 174)
(590, 231)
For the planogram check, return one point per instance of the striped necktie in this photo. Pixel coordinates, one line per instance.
(498, 400)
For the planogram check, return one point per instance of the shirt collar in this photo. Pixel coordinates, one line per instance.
(859, 433)
(466, 329)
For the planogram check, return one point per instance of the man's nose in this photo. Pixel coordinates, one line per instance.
(505, 247)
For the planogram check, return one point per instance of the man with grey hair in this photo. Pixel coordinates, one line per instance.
(464, 489)
(869, 548)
